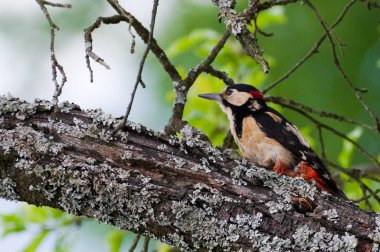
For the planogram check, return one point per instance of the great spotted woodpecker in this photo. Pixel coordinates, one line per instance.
(268, 139)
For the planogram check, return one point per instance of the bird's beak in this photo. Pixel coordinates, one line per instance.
(212, 96)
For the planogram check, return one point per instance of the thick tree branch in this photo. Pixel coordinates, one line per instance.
(181, 191)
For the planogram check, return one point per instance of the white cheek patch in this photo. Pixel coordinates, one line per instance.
(239, 98)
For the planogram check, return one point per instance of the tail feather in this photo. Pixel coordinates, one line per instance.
(323, 181)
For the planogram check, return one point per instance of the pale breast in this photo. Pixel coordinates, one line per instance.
(257, 147)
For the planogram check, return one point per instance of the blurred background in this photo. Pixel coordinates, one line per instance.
(25, 72)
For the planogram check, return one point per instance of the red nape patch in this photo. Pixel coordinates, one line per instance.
(256, 94)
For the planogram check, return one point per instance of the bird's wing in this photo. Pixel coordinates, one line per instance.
(277, 127)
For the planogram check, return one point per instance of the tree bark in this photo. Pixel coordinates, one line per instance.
(180, 191)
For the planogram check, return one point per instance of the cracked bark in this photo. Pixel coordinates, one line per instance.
(180, 191)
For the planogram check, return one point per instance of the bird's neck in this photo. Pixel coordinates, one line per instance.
(255, 106)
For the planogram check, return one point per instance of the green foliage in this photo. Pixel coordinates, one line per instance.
(36, 241)
(45, 220)
(115, 240)
(348, 149)
(316, 84)
(12, 223)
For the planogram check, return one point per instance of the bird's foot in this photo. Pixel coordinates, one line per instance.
(283, 169)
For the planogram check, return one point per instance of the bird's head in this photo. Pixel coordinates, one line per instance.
(238, 97)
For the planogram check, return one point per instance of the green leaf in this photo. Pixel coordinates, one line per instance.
(194, 39)
(378, 63)
(62, 244)
(36, 241)
(347, 152)
(115, 239)
(12, 223)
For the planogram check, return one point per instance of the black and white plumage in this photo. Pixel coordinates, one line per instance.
(267, 138)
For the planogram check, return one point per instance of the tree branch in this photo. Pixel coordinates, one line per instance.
(237, 26)
(181, 191)
(313, 50)
(141, 66)
(55, 65)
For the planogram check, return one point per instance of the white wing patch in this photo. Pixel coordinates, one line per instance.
(303, 156)
(296, 132)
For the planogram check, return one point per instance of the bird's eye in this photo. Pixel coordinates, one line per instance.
(229, 92)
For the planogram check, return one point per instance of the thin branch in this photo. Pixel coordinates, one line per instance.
(321, 142)
(182, 87)
(254, 8)
(198, 69)
(59, 5)
(146, 244)
(257, 28)
(141, 31)
(228, 141)
(326, 114)
(142, 63)
(355, 90)
(312, 51)
(365, 197)
(134, 243)
(371, 4)
(332, 130)
(328, 29)
(88, 42)
(355, 178)
(55, 66)
(219, 74)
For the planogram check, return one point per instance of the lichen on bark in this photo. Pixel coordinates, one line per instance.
(179, 190)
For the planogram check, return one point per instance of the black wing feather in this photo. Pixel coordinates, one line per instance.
(279, 132)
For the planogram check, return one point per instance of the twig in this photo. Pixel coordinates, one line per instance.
(219, 74)
(141, 31)
(228, 141)
(55, 66)
(312, 51)
(146, 244)
(355, 90)
(321, 142)
(134, 243)
(325, 114)
(56, 4)
(334, 131)
(139, 73)
(197, 70)
(371, 4)
(324, 23)
(257, 28)
(250, 12)
(182, 87)
(88, 42)
(365, 197)
(355, 178)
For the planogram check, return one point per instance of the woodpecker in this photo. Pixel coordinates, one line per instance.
(268, 139)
